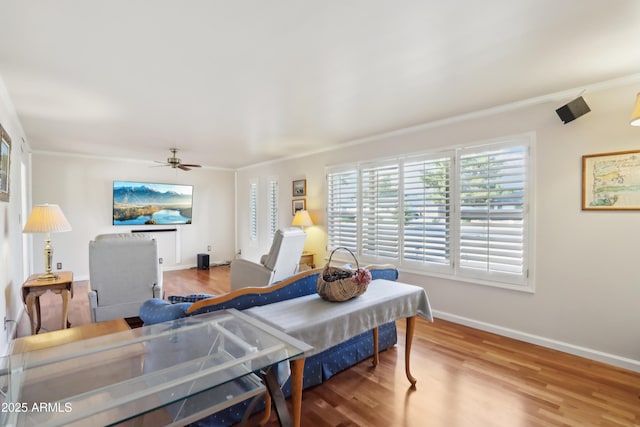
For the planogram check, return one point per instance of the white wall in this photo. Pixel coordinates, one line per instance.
(82, 186)
(11, 271)
(586, 276)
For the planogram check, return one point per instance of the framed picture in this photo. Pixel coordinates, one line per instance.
(5, 162)
(298, 205)
(611, 181)
(300, 188)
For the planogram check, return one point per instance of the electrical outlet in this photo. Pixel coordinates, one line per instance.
(59, 266)
(208, 248)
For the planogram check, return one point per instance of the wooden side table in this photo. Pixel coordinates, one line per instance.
(62, 285)
(307, 258)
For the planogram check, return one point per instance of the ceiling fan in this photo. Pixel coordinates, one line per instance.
(175, 162)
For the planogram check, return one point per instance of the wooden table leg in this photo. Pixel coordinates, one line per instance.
(64, 293)
(31, 305)
(411, 327)
(267, 410)
(38, 314)
(376, 353)
(297, 368)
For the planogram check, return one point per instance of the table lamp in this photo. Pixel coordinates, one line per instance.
(302, 219)
(47, 219)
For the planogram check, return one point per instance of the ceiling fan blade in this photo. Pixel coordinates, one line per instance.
(184, 167)
(191, 166)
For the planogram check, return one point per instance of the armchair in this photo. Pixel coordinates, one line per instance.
(281, 261)
(124, 272)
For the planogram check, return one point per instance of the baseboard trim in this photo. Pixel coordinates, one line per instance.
(610, 359)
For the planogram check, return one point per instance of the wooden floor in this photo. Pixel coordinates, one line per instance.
(465, 377)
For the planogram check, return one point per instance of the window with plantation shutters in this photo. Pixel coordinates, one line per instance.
(380, 211)
(342, 209)
(461, 213)
(493, 211)
(272, 202)
(427, 211)
(253, 211)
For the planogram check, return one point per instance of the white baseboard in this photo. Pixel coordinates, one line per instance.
(610, 359)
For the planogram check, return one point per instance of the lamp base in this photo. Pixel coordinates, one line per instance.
(48, 276)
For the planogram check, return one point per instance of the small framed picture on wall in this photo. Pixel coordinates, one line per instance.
(298, 205)
(300, 188)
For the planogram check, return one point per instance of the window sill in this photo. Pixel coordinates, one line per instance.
(527, 288)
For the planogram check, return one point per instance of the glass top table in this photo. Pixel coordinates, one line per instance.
(170, 373)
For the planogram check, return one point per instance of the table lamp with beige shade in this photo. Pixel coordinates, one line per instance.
(47, 219)
(302, 219)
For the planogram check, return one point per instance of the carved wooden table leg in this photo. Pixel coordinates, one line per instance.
(64, 293)
(38, 314)
(411, 327)
(31, 305)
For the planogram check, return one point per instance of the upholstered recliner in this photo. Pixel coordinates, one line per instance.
(124, 272)
(281, 262)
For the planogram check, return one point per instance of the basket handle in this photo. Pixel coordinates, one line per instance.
(348, 250)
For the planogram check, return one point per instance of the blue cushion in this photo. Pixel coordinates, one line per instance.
(157, 310)
(385, 273)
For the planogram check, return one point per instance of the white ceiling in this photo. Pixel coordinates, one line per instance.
(234, 83)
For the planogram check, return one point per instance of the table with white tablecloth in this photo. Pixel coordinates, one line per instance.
(323, 324)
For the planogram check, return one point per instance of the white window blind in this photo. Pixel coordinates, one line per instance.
(380, 211)
(253, 211)
(272, 202)
(462, 213)
(342, 207)
(493, 212)
(427, 211)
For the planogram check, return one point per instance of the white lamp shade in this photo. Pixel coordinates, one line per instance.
(635, 116)
(302, 219)
(46, 219)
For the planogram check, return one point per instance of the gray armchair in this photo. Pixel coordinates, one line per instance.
(124, 272)
(281, 262)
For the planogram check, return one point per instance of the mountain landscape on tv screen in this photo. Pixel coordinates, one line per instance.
(137, 203)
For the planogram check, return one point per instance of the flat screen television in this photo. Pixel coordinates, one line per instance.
(145, 203)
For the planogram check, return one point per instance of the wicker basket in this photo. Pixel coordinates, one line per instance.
(341, 284)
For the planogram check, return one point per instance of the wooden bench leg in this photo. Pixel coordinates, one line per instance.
(376, 354)
(411, 327)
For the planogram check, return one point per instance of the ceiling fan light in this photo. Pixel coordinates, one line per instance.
(176, 163)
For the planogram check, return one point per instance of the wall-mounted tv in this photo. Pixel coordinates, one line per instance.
(145, 203)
